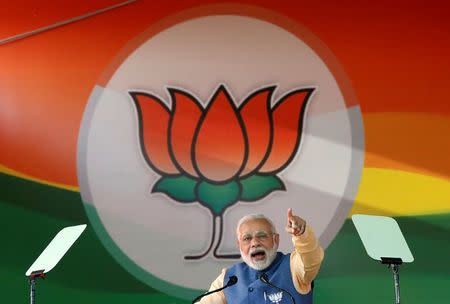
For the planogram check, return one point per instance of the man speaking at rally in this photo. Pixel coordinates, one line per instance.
(268, 276)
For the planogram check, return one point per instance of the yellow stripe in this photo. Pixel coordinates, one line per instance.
(381, 192)
(394, 192)
(9, 171)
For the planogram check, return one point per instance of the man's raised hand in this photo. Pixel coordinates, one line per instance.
(295, 225)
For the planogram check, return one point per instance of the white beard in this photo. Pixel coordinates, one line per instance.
(260, 265)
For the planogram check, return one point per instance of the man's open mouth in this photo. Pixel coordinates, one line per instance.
(258, 255)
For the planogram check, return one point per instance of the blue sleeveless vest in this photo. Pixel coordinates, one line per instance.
(250, 290)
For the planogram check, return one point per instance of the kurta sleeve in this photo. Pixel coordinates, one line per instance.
(305, 260)
(217, 297)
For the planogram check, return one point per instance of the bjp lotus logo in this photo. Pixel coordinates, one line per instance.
(190, 161)
(222, 153)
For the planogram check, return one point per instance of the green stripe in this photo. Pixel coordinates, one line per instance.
(32, 213)
(42, 198)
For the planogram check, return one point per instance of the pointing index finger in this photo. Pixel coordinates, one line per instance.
(289, 216)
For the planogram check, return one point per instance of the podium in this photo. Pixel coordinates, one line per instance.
(51, 255)
(384, 242)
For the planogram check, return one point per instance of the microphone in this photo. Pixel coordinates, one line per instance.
(265, 279)
(231, 281)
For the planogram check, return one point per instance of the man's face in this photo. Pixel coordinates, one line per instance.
(257, 243)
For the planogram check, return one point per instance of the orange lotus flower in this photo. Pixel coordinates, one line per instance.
(222, 146)
(221, 142)
(222, 153)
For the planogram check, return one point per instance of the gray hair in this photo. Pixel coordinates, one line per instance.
(255, 216)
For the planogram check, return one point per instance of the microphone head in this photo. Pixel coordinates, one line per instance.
(232, 280)
(263, 277)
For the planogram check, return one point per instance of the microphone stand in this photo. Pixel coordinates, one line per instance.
(231, 281)
(265, 280)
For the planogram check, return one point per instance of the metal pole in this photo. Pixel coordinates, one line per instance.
(64, 22)
(32, 290)
(395, 270)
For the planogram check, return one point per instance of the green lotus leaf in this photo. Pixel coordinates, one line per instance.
(180, 188)
(217, 197)
(256, 187)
